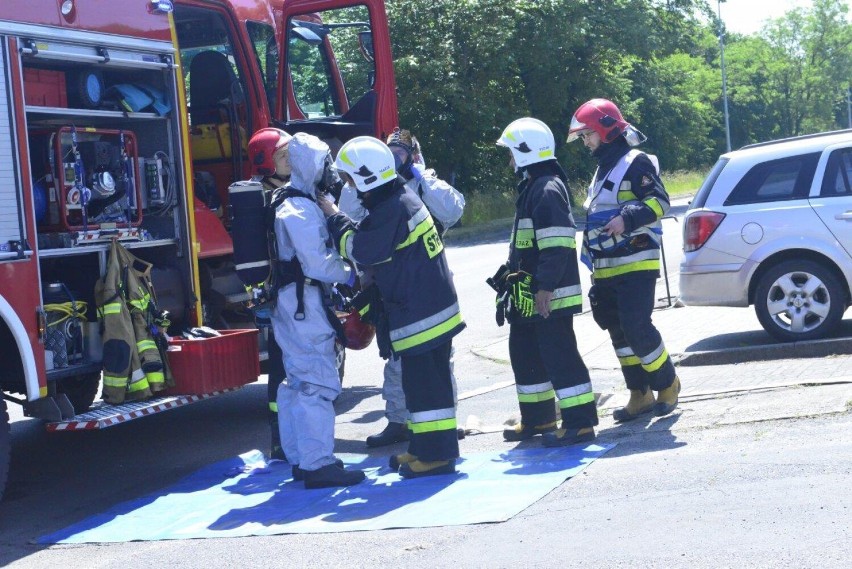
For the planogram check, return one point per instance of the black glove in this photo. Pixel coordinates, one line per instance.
(500, 307)
(498, 281)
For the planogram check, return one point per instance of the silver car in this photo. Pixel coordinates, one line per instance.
(772, 226)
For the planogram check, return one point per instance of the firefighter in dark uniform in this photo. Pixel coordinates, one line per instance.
(540, 292)
(399, 244)
(626, 201)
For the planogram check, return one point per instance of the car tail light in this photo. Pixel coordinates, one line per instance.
(698, 229)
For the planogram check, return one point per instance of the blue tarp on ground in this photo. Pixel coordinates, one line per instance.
(246, 496)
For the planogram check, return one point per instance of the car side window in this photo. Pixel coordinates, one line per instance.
(776, 180)
(838, 174)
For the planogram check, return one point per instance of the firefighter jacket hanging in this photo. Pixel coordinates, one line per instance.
(134, 344)
(626, 183)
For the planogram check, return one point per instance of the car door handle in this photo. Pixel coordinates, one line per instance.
(847, 215)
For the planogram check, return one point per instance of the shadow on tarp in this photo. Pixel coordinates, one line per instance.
(246, 496)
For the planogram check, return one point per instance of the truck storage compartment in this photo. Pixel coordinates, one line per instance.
(207, 365)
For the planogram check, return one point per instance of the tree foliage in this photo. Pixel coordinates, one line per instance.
(466, 68)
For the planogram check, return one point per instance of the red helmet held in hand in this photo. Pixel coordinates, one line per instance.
(267, 152)
(359, 334)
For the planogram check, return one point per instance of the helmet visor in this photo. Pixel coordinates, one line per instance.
(575, 129)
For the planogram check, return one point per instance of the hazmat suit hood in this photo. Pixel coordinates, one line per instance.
(308, 159)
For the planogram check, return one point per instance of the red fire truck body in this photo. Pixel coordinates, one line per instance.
(105, 135)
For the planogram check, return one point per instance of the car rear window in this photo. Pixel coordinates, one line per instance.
(704, 191)
(838, 174)
(776, 180)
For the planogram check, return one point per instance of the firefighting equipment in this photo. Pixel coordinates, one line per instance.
(498, 283)
(522, 297)
(565, 437)
(419, 468)
(250, 224)
(638, 248)
(397, 460)
(332, 476)
(530, 141)
(641, 401)
(603, 117)
(667, 399)
(358, 333)
(267, 150)
(392, 433)
(521, 432)
(134, 362)
(368, 161)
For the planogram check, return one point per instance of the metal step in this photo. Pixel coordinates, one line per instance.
(103, 415)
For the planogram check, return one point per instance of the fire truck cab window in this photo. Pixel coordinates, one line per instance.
(330, 69)
(266, 51)
(215, 89)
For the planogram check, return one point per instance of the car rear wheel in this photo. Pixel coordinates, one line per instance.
(799, 300)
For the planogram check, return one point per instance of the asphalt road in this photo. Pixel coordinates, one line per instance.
(758, 479)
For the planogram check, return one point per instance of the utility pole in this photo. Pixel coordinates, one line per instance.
(724, 75)
(849, 105)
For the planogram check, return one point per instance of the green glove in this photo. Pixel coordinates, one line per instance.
(522, 295)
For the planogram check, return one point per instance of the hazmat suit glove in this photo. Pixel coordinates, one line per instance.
(522, 296)
(417, 171)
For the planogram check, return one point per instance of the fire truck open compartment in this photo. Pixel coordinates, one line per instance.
(104, 137)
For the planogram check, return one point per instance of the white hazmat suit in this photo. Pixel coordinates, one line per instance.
(306, 414)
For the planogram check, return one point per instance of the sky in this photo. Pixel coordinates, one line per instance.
(748, 16)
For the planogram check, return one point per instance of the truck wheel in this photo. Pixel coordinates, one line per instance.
(5, 446)
(81, 390)
(799, 300)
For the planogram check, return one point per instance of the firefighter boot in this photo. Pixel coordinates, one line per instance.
(393, 433)
(667, 399)
(299, 474)
(418, 468)
(641, 402)
(521, 432)
(566, 437)
(332, 475)
(398, 460)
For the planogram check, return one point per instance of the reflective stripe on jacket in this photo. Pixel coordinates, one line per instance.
(399, 240)
(543, 242)
(632, 189)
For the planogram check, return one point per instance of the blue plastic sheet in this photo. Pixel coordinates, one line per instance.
(247, 496)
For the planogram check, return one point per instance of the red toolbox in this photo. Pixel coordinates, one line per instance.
(206, 365)
(45, 88)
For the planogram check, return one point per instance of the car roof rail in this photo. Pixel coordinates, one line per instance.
(802, 137)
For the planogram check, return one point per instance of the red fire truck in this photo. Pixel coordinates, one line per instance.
(153, 101)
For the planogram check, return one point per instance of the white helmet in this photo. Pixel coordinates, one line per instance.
(368, 161)
(530, 141)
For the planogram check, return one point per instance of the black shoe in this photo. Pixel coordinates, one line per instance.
(299, 474)
(332, 475)
(521, 432)
(418, 469)
(393, 433)
(565, 437)
(277, 453)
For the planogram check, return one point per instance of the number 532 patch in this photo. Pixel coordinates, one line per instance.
(433, 242)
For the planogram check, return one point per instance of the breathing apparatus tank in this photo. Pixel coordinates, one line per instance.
(250, 226)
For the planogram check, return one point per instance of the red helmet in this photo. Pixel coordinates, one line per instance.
(601, 116)
(359, 334)
(262, 147)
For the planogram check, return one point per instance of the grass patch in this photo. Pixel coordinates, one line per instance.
(484, 207)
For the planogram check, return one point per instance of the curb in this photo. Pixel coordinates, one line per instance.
(806, 349)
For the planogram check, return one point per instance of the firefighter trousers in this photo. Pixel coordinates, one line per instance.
(427, 383)
(394, 396)
(548, 367)
(624, 306)
(275, 367)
